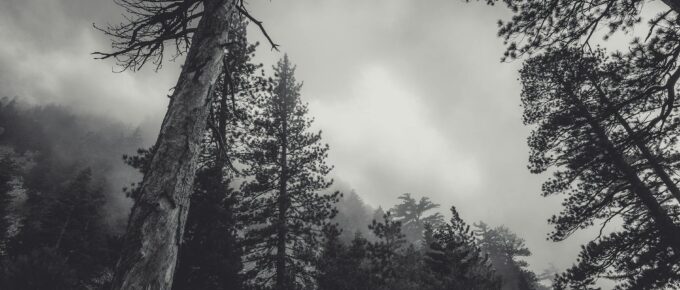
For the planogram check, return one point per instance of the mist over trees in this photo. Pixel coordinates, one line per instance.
(62, 211)
(238, 191)
(62, 238)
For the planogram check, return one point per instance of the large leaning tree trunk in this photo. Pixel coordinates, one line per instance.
(156, 225)
(157, 220)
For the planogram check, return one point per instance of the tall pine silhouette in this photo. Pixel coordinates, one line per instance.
(285, 205)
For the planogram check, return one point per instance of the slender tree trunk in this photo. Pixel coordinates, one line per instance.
(281, 273)
(669, 230)
(646, 153)
(154, 234)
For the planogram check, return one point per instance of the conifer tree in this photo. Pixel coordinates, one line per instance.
(331, 274)
(285, 207)
(411, 214)
(63, 240)
(506, 250)
(385, 250)
(455, 260)
(8, 171)
(353, 216)
(587, 111)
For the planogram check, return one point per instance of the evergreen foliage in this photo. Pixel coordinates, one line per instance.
(594, 131)
(505, 250)
(411, 214)
(65, 228)
(284, 207)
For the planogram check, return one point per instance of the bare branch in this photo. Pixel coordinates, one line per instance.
(150, 24)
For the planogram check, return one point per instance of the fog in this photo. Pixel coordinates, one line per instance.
(410, 97)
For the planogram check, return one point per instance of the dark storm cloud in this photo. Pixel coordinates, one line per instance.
(410, 95)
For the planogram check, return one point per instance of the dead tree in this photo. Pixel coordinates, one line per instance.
(198, 28)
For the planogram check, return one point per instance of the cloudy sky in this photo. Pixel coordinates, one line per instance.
(411, 96)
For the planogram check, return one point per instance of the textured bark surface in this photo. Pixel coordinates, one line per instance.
(156, 225)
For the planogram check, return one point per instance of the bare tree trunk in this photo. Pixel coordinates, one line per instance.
(150, 247)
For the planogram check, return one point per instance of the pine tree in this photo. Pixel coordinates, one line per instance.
(506, 250)
(63, 240)
(411, 214)
(353, 216)
(8, 171)
(284, 204)
(455, 260)
(590, 117)
(341, 266)
(394, 263)
(385, 250)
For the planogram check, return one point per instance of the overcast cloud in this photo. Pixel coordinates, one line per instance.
(410, 95)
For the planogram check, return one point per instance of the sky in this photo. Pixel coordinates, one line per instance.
(410, 95)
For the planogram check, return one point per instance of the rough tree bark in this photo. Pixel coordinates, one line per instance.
(156, 225)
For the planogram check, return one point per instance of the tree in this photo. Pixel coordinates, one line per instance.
(454, 259)
(353, 216)
(585, 110)
(344, 266)
(341, 266)
(331, 273)
(8, 171)
(210, 257)
(411, 214)
(284, 206)
(628, 105)
(505, 250)
(157, 221)
(63, 240)
(540, 26)
(385, 250)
